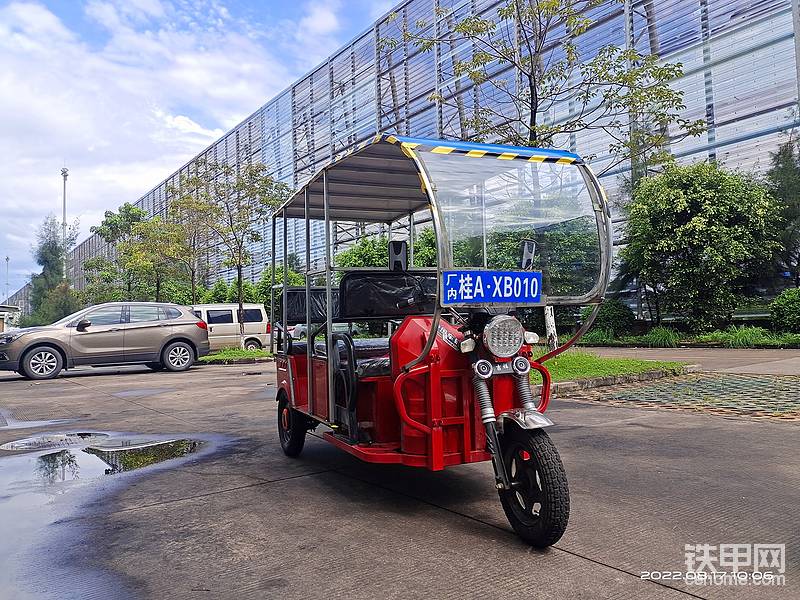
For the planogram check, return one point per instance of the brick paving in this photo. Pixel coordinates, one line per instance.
(772, 397)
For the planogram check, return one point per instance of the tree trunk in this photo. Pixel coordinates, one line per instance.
(193, 275)
(240, 296)
(550, 328)
(158, 288)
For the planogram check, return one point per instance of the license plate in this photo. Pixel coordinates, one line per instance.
(488, 287)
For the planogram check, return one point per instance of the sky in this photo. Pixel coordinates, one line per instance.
(123, 92)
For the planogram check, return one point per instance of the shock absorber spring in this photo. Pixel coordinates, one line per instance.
(522, 381)
(480, 384)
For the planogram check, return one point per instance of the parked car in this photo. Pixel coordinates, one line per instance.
(157, 335)
(223, 325)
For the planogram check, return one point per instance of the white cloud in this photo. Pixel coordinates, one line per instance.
(123, 110)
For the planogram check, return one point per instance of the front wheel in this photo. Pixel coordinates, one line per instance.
(42, 362)
(291, 428)
(537, 505)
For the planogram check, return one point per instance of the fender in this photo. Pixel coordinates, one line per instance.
(68, 362)
(526, 419)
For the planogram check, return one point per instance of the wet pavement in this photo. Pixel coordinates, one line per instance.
(237, 519)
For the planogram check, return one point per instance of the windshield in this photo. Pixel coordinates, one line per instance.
(517, 215)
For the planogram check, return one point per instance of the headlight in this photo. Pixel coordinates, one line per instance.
(503, 336)
(7, 339)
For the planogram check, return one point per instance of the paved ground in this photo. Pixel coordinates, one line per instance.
(247, 522)
(773, 362)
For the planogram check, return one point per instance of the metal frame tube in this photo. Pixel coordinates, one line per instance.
(272, 293)
(411, 240)
(309, 337)
(284, 308)
(328, 300)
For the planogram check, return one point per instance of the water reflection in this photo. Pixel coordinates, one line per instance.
(124, 459)
(66, 465)
(54, 467)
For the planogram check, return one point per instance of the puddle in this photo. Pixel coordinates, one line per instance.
(51, 475)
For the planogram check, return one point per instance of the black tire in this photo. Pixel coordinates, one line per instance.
(292, 427)
(537, 506)
(154, 366)
(252, 344)
(42, 362)
(178, 356)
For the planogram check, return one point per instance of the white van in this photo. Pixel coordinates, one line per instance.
(223, 326)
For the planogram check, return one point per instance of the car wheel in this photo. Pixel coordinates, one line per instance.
(42, 362)
(178, 356)
(252, 345)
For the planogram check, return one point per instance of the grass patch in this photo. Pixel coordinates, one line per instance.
(750, 337)
(230, 355)
(579, 364)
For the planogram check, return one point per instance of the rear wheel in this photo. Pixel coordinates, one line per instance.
(42, 362)
(178, 356)
(292, 427)
(537, 506)
(252, 345)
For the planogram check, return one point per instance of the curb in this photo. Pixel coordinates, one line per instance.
(236, 361)
(564, 388)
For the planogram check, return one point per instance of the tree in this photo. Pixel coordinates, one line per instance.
(117, 229)
(189, 216)
(151, 251)
(248, 292)
(49, 254)
(783, 179)
(370, 251)
(695, 236)
(218, 293)
(235, 200)
(527, 62)
(102, 281)
(532, 85)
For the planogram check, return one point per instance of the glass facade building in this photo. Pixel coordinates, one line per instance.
(739, 60)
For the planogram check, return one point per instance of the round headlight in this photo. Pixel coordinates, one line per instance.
(503, 336)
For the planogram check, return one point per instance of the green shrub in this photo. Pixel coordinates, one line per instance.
(750, 337)
(598, 337)
(614, 316)
(745, 337)
(660, 337)
(785, 311)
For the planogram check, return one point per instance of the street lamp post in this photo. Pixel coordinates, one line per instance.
(64, 174)
(7, 288)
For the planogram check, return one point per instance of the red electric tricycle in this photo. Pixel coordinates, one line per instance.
(480, 237)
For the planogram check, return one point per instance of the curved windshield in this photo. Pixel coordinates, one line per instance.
(519, 215)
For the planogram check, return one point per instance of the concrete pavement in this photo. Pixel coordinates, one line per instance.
(247, 522)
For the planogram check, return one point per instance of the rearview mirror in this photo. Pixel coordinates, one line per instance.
(528, 251)
(83, 325)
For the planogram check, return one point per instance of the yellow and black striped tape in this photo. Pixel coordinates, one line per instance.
(445, 149)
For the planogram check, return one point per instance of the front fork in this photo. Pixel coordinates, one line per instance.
(482, 371)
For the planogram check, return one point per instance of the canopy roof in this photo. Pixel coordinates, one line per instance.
(379, 181)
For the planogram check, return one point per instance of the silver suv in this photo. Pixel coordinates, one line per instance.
(157, 335)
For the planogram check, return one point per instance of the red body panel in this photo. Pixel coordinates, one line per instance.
(425, 418)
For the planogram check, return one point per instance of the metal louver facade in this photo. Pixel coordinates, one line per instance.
(740, 75)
